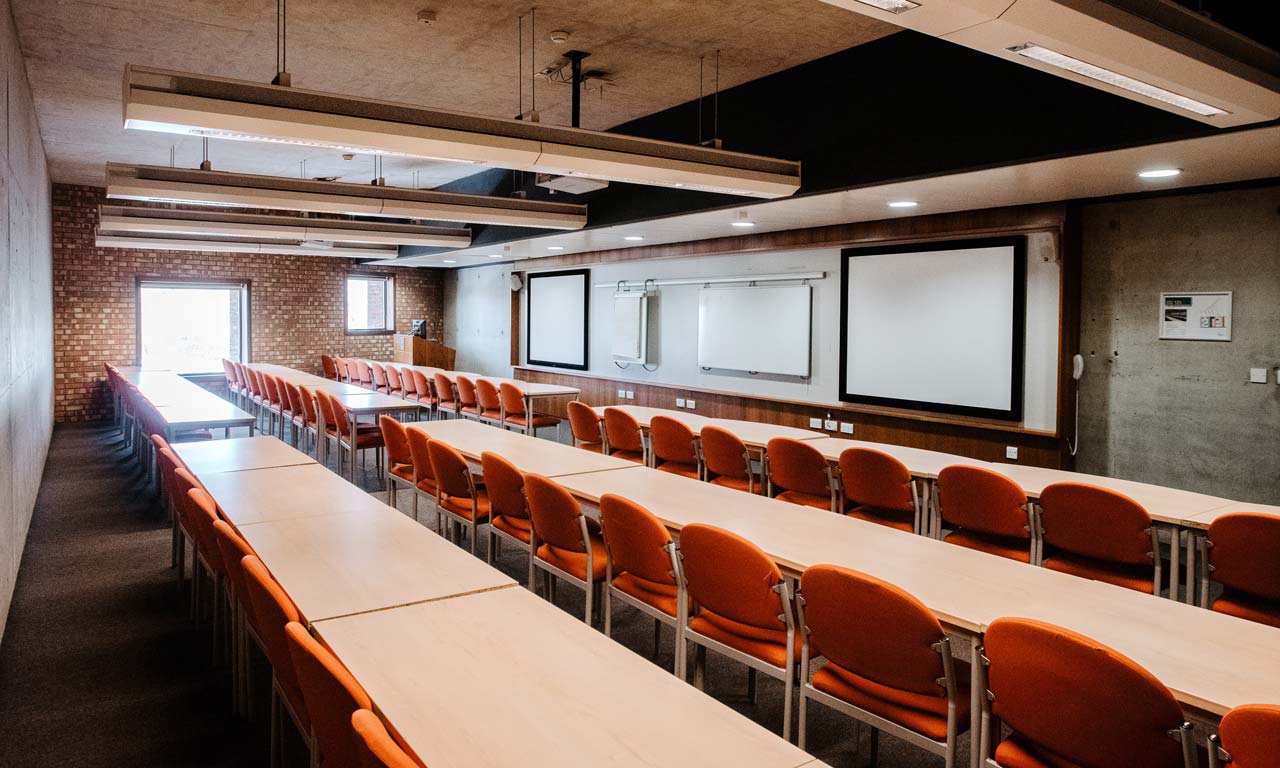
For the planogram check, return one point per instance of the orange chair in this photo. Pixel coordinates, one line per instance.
(446, 397)
(395, 387)
(801, 472)
(888, 661)
(234, 549)
(329, 367)
(879, 489)
(375, 747)
(379, 378)
(587, 427)
(987, 512)
(623, 435)
(468, 399)
(457, 496)
(488, 402)
(1099, 534)
(508, 508)
(310, 418)
(299, 427)
(408, 387)
(742, 608)
(366, 436)
(563, 544)
(272, 403)
(1247, 737)
(167, 462)
(331, 694)
(726, 460)
(1242, 552)
(399, 458)
(344, 373)
(203, 514)
(514, 414)
(183, 483)
(365, 372)
(642, 569)
(424, 479)
(675, 447)
(422, 390)
(1071, 701)
(273, 611)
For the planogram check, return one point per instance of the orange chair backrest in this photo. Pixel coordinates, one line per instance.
(326, 408)
(308, 400)
(466, 391)
(554, 513)
(730, 576)
(1250, 733)
(168, 463)
(450, 469)
(1096, 522)
(270, 385)
(340, 363)
(296, 403)
(622, 430)
(396, 439)
(379, 375)
(331, 693)
(1078, 699)
(797, 466)
(876, 479)
(234, 549)
(420, 384)
(393, 378)
(584, 422)
(983, 501)
(253, 381)
(329, 367)
(512, 399)
(872, 628)
(672, 440)
(487, 395)
(407, 383)
(273, 610)
(1246, 553)
(204, 513)
(635, 540)
(375, 747)
(444, 388)
(341, 416)
(505, 486)
(183, 483)
(724, 453)
(418, 442)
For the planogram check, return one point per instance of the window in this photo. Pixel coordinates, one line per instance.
(371, 304)
(190, 327)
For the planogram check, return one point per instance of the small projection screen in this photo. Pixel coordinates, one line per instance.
(935, 326)
(556, 319)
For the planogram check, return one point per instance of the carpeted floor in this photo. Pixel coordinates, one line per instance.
(101, 666)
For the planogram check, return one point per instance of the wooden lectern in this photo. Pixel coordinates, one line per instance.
(414, 350)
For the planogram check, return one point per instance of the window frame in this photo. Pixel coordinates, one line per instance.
(390, 327)
(246, 330)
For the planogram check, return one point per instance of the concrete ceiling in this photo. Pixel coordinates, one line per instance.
(76, 52)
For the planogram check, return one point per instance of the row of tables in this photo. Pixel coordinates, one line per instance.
(184, 406)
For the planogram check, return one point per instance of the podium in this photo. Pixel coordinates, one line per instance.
(415, 350)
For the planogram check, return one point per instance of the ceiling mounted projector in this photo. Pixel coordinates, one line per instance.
(1156, 53)
(197, 105)
(128, 220)
(239, 190)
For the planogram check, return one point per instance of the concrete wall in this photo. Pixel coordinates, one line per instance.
(26, 340)
(1182, 413)
(477, 318)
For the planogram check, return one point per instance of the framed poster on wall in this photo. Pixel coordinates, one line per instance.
(1196, 316)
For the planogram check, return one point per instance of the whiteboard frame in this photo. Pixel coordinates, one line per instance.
(1017, 372)
(586, 318)
(745, 290)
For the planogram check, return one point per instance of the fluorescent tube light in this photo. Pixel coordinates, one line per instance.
(197, 105)
(236, 190)
(1160, 173)
(1085, 69)
(141, 243)
(903, 204)
(633, 238)
(892, 6)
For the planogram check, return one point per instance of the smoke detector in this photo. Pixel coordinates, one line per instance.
(427, 16)
(559, 36)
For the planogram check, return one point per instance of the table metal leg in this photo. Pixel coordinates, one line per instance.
(977, 688)
(1175, 552)
(1193, 543)
(351, 441)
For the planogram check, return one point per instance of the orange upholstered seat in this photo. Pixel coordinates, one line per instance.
(564, 544)
(623, 434)
(726, 460)
(1244, 557)
(399, 457)
(468, 400)
(675, 447)
(1099, 534)
(457, 496)
(877, 488)
(986, 511)
(375, 747)
(508, 509)
(446, 398)
(273, 611)
(514, 408)
(798, 473)
(1249, 735)
(586, 425)
(332, 695)
(489, 401)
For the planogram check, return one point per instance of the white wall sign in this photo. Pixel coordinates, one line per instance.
(1196, 316)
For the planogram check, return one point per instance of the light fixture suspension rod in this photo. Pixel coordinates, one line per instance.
(715, 106)
(771, 278)
(533, 60)
(282, 44)
(520, 64)
(575, 59)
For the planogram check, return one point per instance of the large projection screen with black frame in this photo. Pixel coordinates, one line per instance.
(556, 319)
(935, 326)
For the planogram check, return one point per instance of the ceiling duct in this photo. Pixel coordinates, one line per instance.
(238, 190)
(196, 105)
(1156, 53)
(132, 220)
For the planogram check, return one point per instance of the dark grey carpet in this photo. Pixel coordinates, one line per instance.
(101, 666)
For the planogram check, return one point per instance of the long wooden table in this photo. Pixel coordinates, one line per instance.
(755, 434)
(504, 679)
(184, 406)
(529, 454)
(532, 390)
(238, 454)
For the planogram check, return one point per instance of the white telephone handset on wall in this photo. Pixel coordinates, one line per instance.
(1077, 367)
(1077, 370)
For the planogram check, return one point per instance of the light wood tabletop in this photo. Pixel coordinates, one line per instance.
(529, 454)
(753, 433)
(368, 401)
(309, 380)
(921, 462)
(344, 564)
(526, 684)
(1204, 519)
(531, 389)
(238, 454)
(210, 412)
(284, 493)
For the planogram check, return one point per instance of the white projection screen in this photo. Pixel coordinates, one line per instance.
(556, 319)
(935, 326)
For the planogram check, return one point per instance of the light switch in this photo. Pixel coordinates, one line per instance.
(1257, 375)
(815, 423)
(846, 427)
(1011, 452)
(688, 404)
(679, 402)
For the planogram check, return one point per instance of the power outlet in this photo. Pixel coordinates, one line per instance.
(831, 425)
(631, 395)
(679, 402)
(1011, 452)
(622, 394)
(815, 423)
(1257, 375)
(846, 427)
(689, 404)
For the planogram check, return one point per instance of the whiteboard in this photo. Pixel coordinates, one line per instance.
(936, 327)
(630, 331)
(760, 329)
(557, 319)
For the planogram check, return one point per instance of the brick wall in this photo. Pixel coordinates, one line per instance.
(296, 303)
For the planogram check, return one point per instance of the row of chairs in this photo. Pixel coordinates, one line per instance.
(309, 685)
(860, 645)
(1074, 528)
(138, 421)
